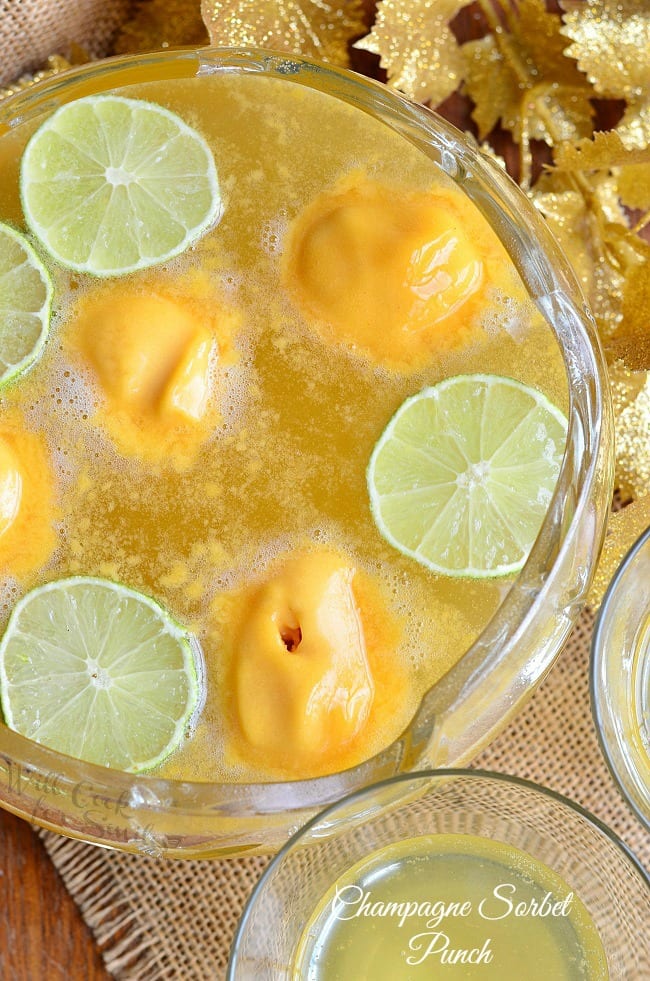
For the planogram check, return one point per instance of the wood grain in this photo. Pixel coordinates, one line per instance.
(42, 934)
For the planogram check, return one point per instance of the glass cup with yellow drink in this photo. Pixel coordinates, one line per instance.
(462, 874)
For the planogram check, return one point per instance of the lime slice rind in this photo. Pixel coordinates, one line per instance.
(111, 185)
(464, 472)
(26, 293)
(61, 681)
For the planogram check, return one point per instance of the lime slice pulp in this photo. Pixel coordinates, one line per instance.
(463, 474)
(110, 185)
(25, 304)
(98, 671)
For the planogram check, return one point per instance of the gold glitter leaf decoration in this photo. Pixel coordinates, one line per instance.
(611, 40)
(522, 76)
(320, 29)
(635, 124)
(417, 47)
(611, 43)
(537, 32)
(493, 85)
(630, 342)
(586, 218)
(631, 399)
(634, 185)
(162, 24)
(603, 152)
(586, 197)
(623, 529)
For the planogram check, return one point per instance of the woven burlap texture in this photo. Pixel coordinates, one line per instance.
(158, 920)
(31, 30)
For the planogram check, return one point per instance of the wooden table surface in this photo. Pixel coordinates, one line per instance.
(42, 934)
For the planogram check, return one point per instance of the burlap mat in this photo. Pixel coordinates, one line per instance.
(31, 30)
(157, 920)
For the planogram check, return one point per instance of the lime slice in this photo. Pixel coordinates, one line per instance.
(110, 185)
(25, 304)
(96, 670)
(463, 474)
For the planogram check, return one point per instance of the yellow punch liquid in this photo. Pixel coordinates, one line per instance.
(200, 431)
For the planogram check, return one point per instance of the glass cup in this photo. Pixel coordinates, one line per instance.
(490, 682)
(620, 677)
(592, 863)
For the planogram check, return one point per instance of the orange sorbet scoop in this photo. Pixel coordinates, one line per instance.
(151, 351)
(149, 355)
(303, 684)
(394, 274)
(27, 499)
